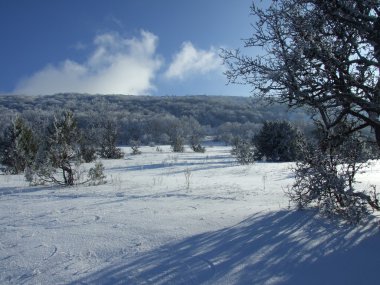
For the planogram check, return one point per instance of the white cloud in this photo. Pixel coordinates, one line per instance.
(189, 61)
(116, 66)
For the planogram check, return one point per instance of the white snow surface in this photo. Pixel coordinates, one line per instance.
(232, 225)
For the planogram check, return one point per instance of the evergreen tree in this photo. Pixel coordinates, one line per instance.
(177, 144)
(108, 139)
(88, 144)
(18, 147)
(59, 151)
(243, 150)
(60, 154)
(64, 146)
(278, 141)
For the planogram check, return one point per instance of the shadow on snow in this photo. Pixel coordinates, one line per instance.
(286, 247)
(201, 166)
(25, 189)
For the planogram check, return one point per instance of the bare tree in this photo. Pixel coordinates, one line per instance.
(324, 55)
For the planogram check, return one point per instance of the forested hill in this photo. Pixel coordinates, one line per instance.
(207, 110)
(216, 113)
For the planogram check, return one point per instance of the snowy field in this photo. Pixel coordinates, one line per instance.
(166, 218)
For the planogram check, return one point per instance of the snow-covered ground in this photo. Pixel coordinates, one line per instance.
(166, 218)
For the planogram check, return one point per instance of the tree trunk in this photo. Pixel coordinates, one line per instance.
(377, 135)
(376, 45)
(68, 176)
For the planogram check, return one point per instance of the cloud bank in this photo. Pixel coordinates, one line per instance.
(116, 66)
(189, 61)
(119, 65)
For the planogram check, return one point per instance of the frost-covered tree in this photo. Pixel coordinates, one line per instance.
(18, 146)
(63, 149)
(176, 131)
(89, 144)
(135, 146)
(108, 138)
(177, 143)
(59, 155)
(324, 55)
(278, 141)
(243, 150)
(326, 179)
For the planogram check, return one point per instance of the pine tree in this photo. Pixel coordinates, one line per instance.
(64, 146)
(177, 144)
(60, 154)
(108, 139)
(59, 151)
(18, 147)
(88, 144)
(278, 141)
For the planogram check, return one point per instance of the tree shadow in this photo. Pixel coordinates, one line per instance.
(196, 166)
(26, 189)
(285, 247)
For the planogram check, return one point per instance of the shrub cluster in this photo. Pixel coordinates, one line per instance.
(275, 141)
(54, 154)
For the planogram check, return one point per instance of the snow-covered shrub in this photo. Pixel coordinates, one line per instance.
(326, 179)
(196, 145)
(243, 150)
(198, 148)
(278, 141)
(135, 146)
(96, 174)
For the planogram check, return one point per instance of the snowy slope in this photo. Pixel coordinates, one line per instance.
(229, 224)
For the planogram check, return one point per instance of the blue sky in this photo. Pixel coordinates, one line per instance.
(166, 47)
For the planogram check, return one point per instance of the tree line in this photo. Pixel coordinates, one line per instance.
(51, 152)
(150, 119)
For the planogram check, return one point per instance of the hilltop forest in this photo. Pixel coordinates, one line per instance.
(151, 119)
